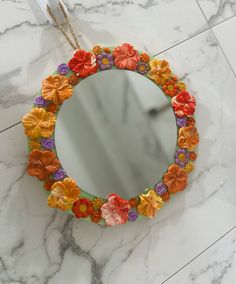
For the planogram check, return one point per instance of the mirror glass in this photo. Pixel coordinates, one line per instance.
(116, 134)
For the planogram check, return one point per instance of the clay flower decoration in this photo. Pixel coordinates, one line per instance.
(38, 123)
(42, 164)
(181, 157)
(171, 88)
(184, 104)
(115, 211)
(63, 194)
(149, 204)
(175, 179)
(160, 71)
(82, 208)
(83, 63)
(188, 137)
(126, 57)
(105, 61)
(56, 88)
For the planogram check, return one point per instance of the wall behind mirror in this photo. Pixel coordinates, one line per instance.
(106, 138)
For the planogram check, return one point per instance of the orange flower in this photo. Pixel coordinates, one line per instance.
(56, 88)
(38, 123)
(82, 208)
(170, 88)
(144, 57)
(63, 194)
(160, 71)
(126, 57)
(133, 202)
(165, 196)
(34, 144)
(106, 50)
(149, 204)
(96, 216)
(74, 79)
(175, 179)
(42, 164)
(190, 121)
(188, 137)
(48, 184)
(193, 156)
(52, 108)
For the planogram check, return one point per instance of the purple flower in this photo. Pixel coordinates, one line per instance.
(181, 121)
(63, 69)
(40, 102)
(48, 143)
(105, 61)
(142, 68)
(181, 157)
(160, 188)
(59, 175)
(132, 215)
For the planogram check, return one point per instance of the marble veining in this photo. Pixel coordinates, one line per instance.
(187, 242)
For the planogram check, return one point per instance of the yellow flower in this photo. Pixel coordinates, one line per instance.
(160, 71)
(38, 123)
(56, 88)
(97, 203)
(181, 85)
(189, 167)
(34, 144)
(96, 50)
(63, 194)
(149, 204)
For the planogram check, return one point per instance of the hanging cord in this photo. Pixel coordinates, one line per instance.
(75, 45)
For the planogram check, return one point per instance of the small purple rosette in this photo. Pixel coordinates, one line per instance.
(160, 188)
(63, 69)
(59, 174)
(40, 102)
(132, 215)
(48, 143)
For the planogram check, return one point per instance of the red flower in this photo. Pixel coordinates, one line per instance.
(115, 211)
(82, 208)
(83, 63)
(184, 104)
(126, 57)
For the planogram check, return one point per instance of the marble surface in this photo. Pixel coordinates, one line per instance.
(192, 239)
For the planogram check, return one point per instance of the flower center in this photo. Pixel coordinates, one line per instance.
(105, 61)
(142, 68)
(83, 208)
(182, 157)
(170, 87)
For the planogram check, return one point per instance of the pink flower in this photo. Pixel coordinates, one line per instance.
(126, 57)
(115, 211)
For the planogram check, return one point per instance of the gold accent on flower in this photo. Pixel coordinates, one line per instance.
(97, 50)
(38, 123)
(63, 194)
(160, 71)
(56, 88)
(97, 203)
(181, 86)
(189, 167)
(149, 204)
(188, 137)
(34, 144)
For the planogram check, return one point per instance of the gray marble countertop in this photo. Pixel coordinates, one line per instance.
(193, 239)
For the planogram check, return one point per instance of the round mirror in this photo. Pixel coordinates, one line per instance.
(117, 133)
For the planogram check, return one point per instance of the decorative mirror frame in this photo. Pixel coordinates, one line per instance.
(40, 123)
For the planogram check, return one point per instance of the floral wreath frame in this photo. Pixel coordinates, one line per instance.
(39, 126)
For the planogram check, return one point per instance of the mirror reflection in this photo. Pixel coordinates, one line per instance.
(117, 133)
